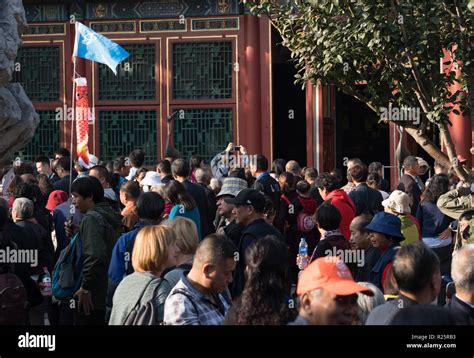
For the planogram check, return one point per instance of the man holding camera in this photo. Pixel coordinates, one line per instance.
(234, 156)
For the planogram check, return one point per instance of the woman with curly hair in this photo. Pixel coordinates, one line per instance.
(263, 300)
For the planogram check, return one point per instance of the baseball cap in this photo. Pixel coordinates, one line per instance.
(93, 161)
(55, 198)
(248, 197)
(398, 201)
(331, 274)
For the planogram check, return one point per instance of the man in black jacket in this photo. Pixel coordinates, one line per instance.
(462, 272)
(249, 205)
(24, 241)
(367, 200)
(264, 182)
(180, 169)
(22, 214)
(410, 183)
(203, 179)
(164, 169)
(63, 170)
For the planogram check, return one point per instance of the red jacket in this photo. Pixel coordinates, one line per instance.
(346, 208)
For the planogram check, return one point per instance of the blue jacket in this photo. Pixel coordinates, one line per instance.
(118, 267)
(378, 269)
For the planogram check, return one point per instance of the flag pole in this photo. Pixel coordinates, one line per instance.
(73, 103)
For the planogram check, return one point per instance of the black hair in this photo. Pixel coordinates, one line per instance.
(262, 163)
(467, 215)
(278, 166)
(374, 178)
(237, 173)
(180, 168)
(63, 163)
(439, 185)
(263, 299)
(88, 187)
(24, 190)
(137, 158)
(118, 164)
(414, 266)
(150, 206)
(328, 217)
(327, 181)
(63, 152)
(303, 187)
(165, 166)
(359, 173)
(195, 161)
(139, 171)
(23, 168)
(269, 209)
(215, 248)
(177, 194)
(103, 172)
(42, 159)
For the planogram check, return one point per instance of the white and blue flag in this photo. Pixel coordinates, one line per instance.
(95, 47)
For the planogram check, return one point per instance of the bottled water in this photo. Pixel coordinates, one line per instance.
(303, 252)
(46, 280)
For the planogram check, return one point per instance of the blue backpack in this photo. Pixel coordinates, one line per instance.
(67, 275)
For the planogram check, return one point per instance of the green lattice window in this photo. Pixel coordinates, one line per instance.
(45, 140)
(135, 80)
(202, 131)
(123, 131)
(202, 70)
(37, 69)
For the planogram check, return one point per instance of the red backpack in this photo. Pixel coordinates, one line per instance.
(304, 219)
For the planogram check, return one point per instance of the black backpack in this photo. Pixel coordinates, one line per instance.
(144, 313)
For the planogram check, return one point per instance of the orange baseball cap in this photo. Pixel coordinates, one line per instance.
(332, 274)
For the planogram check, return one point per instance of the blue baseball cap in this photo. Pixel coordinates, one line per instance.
(388, 224)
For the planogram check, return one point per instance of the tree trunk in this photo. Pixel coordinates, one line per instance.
(436, 153)
(453, 159)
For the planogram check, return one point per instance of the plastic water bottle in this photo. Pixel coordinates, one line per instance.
(303, 252)
(46, 280)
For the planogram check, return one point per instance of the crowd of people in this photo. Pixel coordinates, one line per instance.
(179, 242)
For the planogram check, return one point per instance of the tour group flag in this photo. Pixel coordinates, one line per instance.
(95, 47)
(82, 120)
